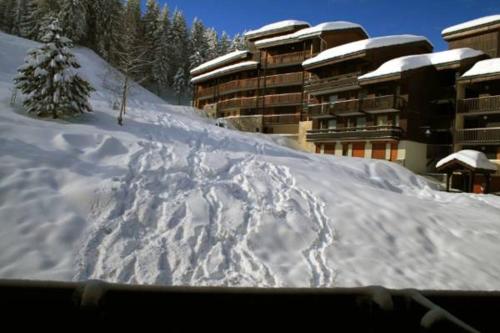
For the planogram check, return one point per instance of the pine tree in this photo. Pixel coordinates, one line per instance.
(165, 50)
(180, 43)
(213, 43)
(179, 84)
(8, 9)
(238, 43)
(199, 44)
(224, 44)
(105, 18)
(73, 16)
(152, 37)
(27, 20)
(132, 58)
(49, 78)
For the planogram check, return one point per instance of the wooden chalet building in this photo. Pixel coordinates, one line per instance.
(348, 118)
(477, 122)
(340, 92)
(261, 90)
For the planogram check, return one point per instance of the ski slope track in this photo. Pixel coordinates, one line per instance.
(171, 199)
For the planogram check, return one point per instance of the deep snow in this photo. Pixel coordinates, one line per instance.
(172, 199)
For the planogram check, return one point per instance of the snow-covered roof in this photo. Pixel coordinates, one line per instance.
(402, 64)
(220, 61)
(274, 28)
(308, 33)
(484, 67)
(363, 45)
(473, 158)
(226, 70)
(487, 20)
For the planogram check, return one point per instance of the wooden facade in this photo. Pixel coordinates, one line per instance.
(274, 92)
(420, 114)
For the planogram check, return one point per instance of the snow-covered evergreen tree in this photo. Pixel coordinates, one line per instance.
(73, 16)
(49, 78)
(180, 43)
(104, 23)
(224, 44)
(238, 43)
(7, 15)
(180, 84)
(199, 44)
(165, 50)
(213, 43)
(153, 37)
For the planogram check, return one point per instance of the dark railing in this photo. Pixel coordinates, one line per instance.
(368, 132)
(353, 106)
(282, 119)
(479, 105)
(237, 103)
(205, 92)
(283, 99)
(315, 85)
(286, 59)
(284, 79)
(370, 309)
(236, 85)
(478, 135)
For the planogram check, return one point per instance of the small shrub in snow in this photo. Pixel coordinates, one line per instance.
(49, 78)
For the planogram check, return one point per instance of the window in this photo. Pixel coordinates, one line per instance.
(381, 120)
(396, 120)
(361, 122)
(333, 99)
(332, 124)
(349, 123)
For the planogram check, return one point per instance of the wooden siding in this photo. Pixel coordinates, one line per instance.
(487, 42)
(481, 105)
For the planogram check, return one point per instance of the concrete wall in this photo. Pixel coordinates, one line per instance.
(413, 155)
(305, 126)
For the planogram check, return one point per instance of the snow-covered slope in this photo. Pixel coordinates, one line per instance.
(172, 199)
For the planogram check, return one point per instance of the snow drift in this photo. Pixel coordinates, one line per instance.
(172, 199)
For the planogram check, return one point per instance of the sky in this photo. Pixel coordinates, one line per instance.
(379, 17)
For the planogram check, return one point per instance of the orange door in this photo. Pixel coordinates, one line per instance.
(378, 151)
(358, 149)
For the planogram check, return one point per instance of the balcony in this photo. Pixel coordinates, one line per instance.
(332, 84)
(280, 80)
(283, 99)
(362, 133)
(478, 136)
(238, 85)
(204, 93)
(380, 104)
(237, 103)
(352, 107)
(339, 108)
(286, 59)
(481, 105)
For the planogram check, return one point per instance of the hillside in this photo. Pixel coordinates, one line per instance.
(172, 199)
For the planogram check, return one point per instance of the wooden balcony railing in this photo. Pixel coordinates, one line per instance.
(282, 119)
(237, 85)
(368, 132)
(337, 82)
(354, 106)
(380, 103)
(479, 105)
(337, 108)
(284, 79)
(237, 103)
(286, 59)
(478, 135)
(206, 92)
(283, 99)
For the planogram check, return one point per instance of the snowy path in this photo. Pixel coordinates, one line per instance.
(147, 217)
